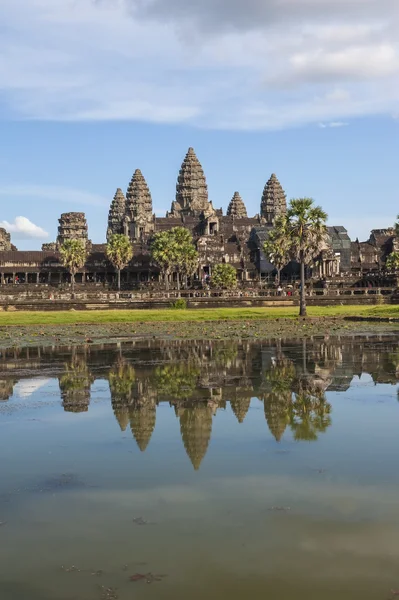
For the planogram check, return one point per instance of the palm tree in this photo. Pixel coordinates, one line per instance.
(73, 257)
(224, 276)
(163, 250)
(276, 247)
(186, 256)
(174, 251)
(119, 252)
(303, 230)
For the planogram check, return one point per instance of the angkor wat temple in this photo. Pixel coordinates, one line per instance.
(233, 238)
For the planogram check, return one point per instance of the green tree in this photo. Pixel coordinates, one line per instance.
(119, 252)
(174, 252)
(224, 276)
(186, 256)
(392, 262)
(73, 257)
(276, 249)
(163, 253)
(302, 229)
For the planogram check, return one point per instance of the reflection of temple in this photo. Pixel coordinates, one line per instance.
(142, 421)
(6, 388)
(291, 378)
(196, 429)
(75, 383)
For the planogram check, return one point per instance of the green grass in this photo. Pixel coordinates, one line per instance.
(208, 314)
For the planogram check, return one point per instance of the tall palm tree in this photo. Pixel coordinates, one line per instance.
(303, 229)
(119, 252)
(73, 257)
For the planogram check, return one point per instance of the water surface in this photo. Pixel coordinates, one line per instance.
(231, 470)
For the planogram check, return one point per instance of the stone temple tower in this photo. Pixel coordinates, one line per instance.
(237, 207)
(139, 218)
(116, 213)
(73, 226)
(274, 201)
(191, 189)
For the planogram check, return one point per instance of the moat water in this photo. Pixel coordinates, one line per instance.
(174, 470)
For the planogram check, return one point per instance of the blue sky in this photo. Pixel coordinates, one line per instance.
(90, 90)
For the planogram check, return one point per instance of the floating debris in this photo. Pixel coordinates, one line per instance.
(2, 523)
(70, 569)
(108, 593)
(147, 577)
(280, 508)
(140, 521)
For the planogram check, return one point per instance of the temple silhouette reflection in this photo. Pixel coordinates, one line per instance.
(291, 378)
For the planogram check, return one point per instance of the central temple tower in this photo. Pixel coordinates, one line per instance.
(191, 189)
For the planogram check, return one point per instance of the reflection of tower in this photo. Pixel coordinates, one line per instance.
(75, 384)
(142, 417)
(121, 380)
(196, 429)
(240, 403)
(6, 388)
(277, 414)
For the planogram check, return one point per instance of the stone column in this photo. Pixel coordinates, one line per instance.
(13, 278)
(37, 278)
(48, 277)
(26, 277)
(59, 278)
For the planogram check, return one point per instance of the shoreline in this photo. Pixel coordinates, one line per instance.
(78, 334)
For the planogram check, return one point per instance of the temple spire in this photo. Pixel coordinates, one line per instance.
(191, 188)
(237, 207)
(116, 213)
(274, 201)
(138, 197)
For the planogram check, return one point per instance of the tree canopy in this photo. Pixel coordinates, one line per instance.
(73, 256)
(174, 252)
(392, 262)
(119, 252)
(224, 276)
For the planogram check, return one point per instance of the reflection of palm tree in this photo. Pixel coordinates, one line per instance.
(196, 429)
(310, 411)
(278, 396)
(121, 380)
(177, 381)
(75, 384)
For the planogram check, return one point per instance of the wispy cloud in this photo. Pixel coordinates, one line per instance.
(333, 124)
(258, 64)
(53, 193)
(23, 229)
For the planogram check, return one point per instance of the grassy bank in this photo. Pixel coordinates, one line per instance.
(183, 316)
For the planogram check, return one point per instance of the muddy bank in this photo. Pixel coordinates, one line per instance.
(47, 335)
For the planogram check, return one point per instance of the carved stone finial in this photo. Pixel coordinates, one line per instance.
(237, 207)
(274, 201)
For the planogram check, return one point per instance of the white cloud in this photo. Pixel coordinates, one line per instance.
(253, 64)
(23, 229)
(53, 193)
(333, 124)
(26, 387)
